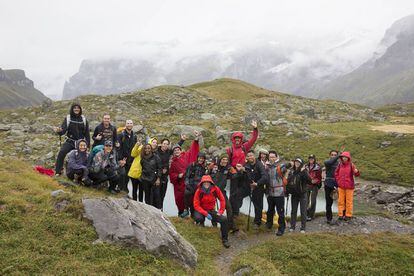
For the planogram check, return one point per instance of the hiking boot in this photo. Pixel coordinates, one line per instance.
(112, 191)
(226, 243)
(185, 214)
(341, 218)
(308, 219)
(87, 182)
(269, 226)
(256, 226)
(347, 218)
(279, 233)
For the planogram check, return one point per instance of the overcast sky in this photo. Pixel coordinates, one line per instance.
(49, 39)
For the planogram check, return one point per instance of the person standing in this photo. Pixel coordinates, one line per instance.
(127, 139)
(76, 127)
(315, 172)
(105, 131)
(298, 179)
(344, 176)
(275, 191)
(193, 175)
(150, 176)
(135, 172)
(179, 163)
(205, 199)
(257, 178)
(330, 182)
(239, 188)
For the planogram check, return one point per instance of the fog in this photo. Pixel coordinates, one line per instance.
(49, 39)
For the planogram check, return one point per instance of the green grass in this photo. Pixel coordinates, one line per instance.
(330, 254)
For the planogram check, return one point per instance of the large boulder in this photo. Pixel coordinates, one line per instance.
(391, 194)
(131, 223)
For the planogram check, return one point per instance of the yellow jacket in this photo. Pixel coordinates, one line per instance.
(136, 169)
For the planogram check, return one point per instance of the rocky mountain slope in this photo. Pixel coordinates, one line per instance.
(388, 77)
(16, 90)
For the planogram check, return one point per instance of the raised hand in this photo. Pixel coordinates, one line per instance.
(254, 123)
(183, 137)
(57, 129)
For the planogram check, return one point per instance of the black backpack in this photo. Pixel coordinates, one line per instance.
(294, 184)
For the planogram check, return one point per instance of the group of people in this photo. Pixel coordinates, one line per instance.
(200, 184)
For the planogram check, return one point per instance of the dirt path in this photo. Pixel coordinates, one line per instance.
(362, 225)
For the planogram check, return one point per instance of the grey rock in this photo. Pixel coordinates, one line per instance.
(208, 116)
(61, 205)
(4, 127)
(391, 194)
(188, 130)
(243, 271)
(56, 193)
(131, 223)
(385, 144)
(49, 155)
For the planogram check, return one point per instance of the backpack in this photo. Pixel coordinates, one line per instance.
(94, 151)
(280, 173)
(294, 185)
(68, 120)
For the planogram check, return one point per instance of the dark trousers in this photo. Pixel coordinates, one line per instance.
(296, 200)
(329, 202)
(125, 178)
(113, 176)
(147, 191)
(163, 188)
(238, 192)
(83, 173)
(156, 196)
(189, 201)
(311, 199)
(137, 185)
(229, 212)
(277, 202)
(64, 150)
(257, 198)
(199, 218)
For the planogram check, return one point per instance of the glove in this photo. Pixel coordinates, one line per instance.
(209, 217)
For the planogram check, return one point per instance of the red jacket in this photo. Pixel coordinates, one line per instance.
(238, 156)
(179, 164)
(344, 174)
(204, 202)
(315, 172)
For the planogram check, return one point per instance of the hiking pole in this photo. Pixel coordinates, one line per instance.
(250, 209)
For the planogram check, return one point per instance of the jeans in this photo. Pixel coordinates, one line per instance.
(278, 203)
(296, 200)
(199, 218)
(311, 198)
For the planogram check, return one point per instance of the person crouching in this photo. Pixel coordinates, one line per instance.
(204, 204)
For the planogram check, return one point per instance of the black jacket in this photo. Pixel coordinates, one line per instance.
(193, 176)
(151, 168)
(77, 129)
(166, 155)
(298, 182)
(221, 176)
(126, 143)
(330, 166)
(256, 172)
(107, 134)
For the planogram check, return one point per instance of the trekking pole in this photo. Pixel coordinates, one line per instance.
(250, 209)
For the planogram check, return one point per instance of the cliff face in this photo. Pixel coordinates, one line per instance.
(16, 90)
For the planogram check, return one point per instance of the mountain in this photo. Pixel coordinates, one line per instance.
(267, 64)
(388, 77)
(18, 91)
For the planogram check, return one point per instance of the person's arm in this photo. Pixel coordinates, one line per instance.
(72, 161)
(222, 201)
(355, 171)
(114, 136)
(318, 176)
(87, 134)
(159, 166)
(96, 132)
(193, 152)
(331, 161)
(197, 205)
(173, 174)
(337, 172)
(63, 127)
(136, 150)
(97, 162)
(248, 145)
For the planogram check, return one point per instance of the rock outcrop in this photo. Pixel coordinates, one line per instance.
(132, 223)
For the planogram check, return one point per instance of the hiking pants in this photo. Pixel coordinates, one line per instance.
(345, 202)
(156, 196)
(199, 218)
(163, 188)
(329, 202)
(125, 178)
(137, 185)
(277, 202)
(179, 190)
(311, 199)
(237, 193)
(83, 173)
(257, 198)
(296, 200)
(64, 150)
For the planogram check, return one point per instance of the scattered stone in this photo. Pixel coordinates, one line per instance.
(57, 193)
(130, 223)
(243, 271)
(385, 144)
(208, 116)
(391, 194)
(61, 205)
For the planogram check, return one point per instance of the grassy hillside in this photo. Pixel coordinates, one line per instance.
(291, 125)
